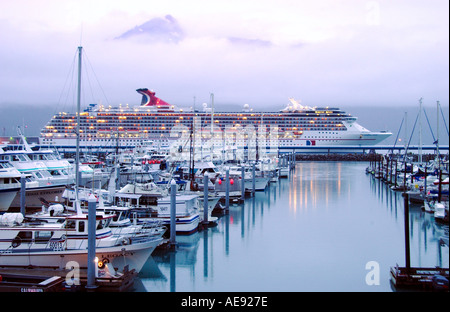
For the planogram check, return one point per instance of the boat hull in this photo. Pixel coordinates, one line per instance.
(184, 225)
(6, 198)
(33, 196)
(260, 184)
(134, 255)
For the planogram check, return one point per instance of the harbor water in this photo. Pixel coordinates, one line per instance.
(328, 227)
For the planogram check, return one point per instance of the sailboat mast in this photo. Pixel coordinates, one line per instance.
(77, 157)
(437, 139)
(420, 132)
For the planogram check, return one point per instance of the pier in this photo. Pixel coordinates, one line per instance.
(399, 174)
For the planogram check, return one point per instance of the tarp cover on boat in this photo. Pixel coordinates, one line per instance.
(10, 219)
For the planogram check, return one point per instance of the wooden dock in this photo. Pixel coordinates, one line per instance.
(26, 283)
(31, 277)
(427, 279)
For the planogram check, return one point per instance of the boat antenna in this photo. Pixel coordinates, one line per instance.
(24, 140)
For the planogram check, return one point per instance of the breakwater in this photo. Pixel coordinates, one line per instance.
(353, 157)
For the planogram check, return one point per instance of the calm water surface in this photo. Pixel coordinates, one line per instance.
(315, 231)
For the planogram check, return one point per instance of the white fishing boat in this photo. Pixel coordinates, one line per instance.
(40, 183)
(31, 242)
(187, 212)
(261, 180)
(9, 184)
(235, 190)
(440, 211)
(125, 222)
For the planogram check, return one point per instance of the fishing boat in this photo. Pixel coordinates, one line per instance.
(26, 242)
(187, 212)
(9, 184)
(261, 181)
(38, 186)
(41, 182)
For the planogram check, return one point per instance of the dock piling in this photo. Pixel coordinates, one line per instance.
(242, 183)
(227, 190)
(173, 210)
(91, 242)
(407, 253)
(22, 194)
(253, 179)
(205, 198)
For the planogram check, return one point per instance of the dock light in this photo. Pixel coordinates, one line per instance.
(96, 266)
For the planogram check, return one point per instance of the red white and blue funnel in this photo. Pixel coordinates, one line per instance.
(149, 98)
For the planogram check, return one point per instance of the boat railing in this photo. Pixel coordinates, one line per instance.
(139, 232)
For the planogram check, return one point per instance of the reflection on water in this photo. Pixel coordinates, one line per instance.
(313, 186)
(314, 231)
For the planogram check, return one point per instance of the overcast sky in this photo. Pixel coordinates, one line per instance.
(260, 52)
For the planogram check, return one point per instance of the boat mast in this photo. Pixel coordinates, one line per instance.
(437, 136)
(212, 128)
(420, 131)
(77, 157)
(406, 132)
(191, 152)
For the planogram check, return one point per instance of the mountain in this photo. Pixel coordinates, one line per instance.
(166, 29)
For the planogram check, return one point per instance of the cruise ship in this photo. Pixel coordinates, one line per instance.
(164, 124)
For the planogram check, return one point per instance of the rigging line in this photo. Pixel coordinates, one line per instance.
(432, 134)
(411, 136)
(398, 133)
(96, 78)
(442, 113)
(70, 74)
(86, 72)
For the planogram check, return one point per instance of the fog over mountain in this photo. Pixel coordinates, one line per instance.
(165, 29)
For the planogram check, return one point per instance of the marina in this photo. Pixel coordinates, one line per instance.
(224, 154)
(237, 215)
(315, 231)
(127, 213)
(268, 225)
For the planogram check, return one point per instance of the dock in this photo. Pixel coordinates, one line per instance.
(425, 279)
(42, 279)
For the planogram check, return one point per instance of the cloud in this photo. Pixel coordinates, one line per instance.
(250, 42)
(261, 53)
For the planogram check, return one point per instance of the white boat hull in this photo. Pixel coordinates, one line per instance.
(260, 184)
(33, 195)
(6, 198)
(184, 225)
(134, 255)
